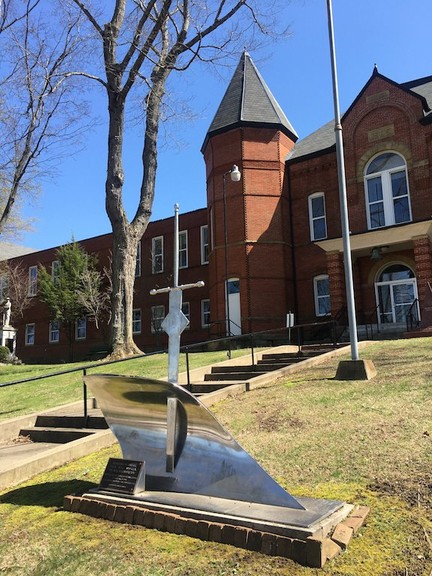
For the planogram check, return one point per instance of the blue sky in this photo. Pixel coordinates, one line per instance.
(394, 34)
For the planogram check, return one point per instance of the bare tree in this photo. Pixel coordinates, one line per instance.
(38, 115)
(94, 294)
(142, 43)
(13, 11)
(15, 287)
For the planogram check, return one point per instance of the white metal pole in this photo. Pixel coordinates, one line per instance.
(352, 323)
(176, 245)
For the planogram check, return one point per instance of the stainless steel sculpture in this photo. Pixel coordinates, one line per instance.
(184, 448)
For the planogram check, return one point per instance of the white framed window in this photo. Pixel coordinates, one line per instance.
(317, 217)
(322, 295)
(136, 321)
(81, 329)
(186, 312)
(157, 316)
(157, 254)
(205, 313)
(204, 235)
(30, 334)
(54, 331)
(55, 270)
(4, 286)
(32, 281)
(138, 261)
(183, 249)
(386, 188)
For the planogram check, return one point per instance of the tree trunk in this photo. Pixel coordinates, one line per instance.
(124, 265)
(125, 241)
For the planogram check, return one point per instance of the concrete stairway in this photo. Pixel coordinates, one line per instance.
(56, 429)
(231, 373)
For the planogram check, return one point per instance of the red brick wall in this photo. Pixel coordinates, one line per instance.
(257, 222)
(38, 313)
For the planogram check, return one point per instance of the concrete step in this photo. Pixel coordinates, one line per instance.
(207, 387)
(233, 376)
(56, 421)
(55, 435)
(281, 361)
(289, 356)
(271, 366)
(229, 369)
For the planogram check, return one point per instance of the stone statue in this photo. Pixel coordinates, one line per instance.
(7, 312)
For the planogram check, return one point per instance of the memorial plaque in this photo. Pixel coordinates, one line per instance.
(123, 476)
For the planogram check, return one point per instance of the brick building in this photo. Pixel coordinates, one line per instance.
(272, 240)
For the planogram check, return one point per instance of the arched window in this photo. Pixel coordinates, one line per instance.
(317, 217)
(387, 195)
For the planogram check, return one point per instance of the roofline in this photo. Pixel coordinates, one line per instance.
(248, 124)
(403, 86)
(311, 155)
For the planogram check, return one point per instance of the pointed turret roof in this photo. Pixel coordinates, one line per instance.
(248, 102)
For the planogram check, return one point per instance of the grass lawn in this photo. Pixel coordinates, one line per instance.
(363, 442)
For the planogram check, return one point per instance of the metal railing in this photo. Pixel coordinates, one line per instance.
(369, 323)
(412, 318)
(295, 335)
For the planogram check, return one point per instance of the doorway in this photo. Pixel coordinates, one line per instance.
(233, 310)
(396, 291)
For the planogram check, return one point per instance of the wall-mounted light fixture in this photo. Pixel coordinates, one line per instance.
(377, 253)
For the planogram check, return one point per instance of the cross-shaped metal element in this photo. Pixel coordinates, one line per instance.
(175, 321)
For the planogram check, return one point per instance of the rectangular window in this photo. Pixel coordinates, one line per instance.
(54, 331)
(186, 312)
(157, 316)
(81, 329)
(183, 249)
(32, 281)
(205, 313)
(157, 255)
(317, 217)
(4, 285)
(376, 203)
(30, 333)
(322, 295)
(138, 261)
(55, 270)
(136, 321)
(401, 205)
(204, 245)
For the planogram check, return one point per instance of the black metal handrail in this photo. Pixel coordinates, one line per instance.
(412, 318)
(252, 338)
(187, 349)
(369, 323)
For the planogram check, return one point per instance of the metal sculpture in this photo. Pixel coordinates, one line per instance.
(184, 448)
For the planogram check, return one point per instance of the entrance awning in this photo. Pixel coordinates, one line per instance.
(400, 237)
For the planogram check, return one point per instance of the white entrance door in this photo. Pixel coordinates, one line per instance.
(396, 290)
(233, 311)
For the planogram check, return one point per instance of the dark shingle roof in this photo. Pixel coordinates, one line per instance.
(248, 101)
(422, 87)
(322, 139)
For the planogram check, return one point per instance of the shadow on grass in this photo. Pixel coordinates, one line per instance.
(48, 494)
(10, 412)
